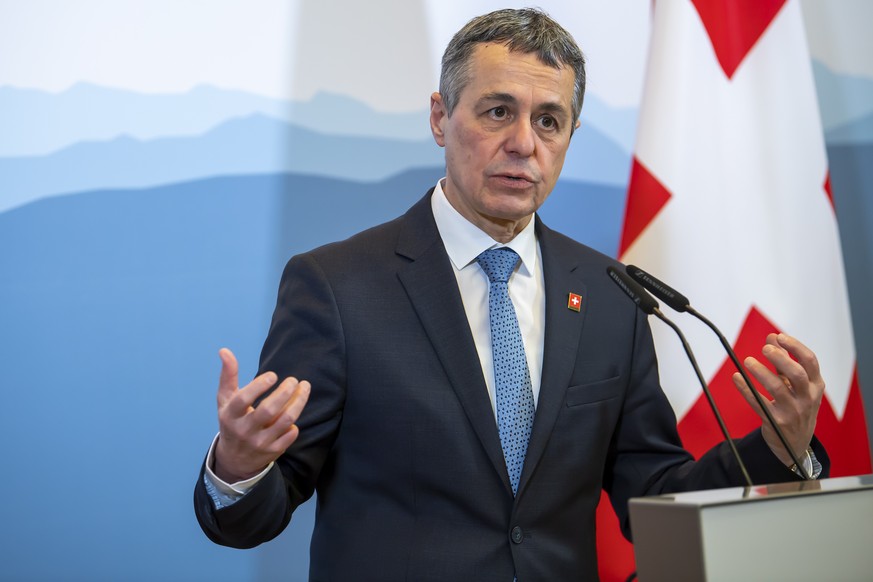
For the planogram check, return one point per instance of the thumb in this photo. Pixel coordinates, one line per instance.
(228, 382)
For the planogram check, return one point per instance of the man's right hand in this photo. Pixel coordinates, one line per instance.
(251, 438)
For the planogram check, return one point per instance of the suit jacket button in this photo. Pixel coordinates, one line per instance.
(516, 535)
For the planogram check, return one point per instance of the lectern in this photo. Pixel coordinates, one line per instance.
(809, 530)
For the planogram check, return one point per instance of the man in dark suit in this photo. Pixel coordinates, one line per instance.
(400, 425)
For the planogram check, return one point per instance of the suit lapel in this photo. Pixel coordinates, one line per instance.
(430, 283)
(563, 329)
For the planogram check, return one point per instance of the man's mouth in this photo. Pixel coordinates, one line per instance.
(516, 177)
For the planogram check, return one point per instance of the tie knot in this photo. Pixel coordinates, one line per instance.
(498, 263)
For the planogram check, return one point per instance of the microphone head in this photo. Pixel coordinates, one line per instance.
(659, 289)
(630, 287)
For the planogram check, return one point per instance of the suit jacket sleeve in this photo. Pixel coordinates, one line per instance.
(305, 341)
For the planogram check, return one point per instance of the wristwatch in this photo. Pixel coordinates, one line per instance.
(811, 466)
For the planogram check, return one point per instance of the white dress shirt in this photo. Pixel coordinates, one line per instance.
(464, 241)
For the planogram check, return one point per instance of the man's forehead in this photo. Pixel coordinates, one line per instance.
(505, 48)
(497, 70)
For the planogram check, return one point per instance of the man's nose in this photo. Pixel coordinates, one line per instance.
(521, 138)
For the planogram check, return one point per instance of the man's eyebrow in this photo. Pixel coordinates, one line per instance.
(497, 96)
(554, 108)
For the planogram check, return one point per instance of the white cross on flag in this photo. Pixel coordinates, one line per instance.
(729, 202)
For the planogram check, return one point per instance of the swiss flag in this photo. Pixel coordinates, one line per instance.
(729, 202)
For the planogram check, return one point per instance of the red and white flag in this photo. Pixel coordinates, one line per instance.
(729, 202)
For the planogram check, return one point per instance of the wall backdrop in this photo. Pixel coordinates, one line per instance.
(160, 161)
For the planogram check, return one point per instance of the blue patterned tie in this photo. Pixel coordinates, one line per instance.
(515, 404)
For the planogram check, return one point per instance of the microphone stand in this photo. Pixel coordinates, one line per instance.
(680, 303)
(649, 306)
(709, 397)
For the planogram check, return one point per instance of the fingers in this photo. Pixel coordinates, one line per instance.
(228, 381)
(266, 431)
(251, 392)
(282, 429)
(282, 408)
(785, 385)
(807, 361)
(746, 391)
(788, 376)
(250, 437)
(287, 399)
(797, 369)
(796, 387)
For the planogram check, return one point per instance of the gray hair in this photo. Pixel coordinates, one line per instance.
(525, 30)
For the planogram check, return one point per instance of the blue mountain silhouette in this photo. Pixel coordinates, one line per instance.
(37, 122)
(858, 131)
(619, 124)
(253, 145)
(843, 99)
(595, 157)
(851, 166)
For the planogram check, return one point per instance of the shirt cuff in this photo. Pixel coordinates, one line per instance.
(224, 494)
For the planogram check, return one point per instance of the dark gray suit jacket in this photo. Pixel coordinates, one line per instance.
(400, 441)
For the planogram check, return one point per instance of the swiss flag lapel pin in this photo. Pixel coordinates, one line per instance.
(574, 302)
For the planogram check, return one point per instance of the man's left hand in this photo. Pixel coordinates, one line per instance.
(797, 389)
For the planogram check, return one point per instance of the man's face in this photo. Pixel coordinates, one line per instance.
(506, 138)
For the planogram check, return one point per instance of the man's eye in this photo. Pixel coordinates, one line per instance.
(499, 112)
(547, 122)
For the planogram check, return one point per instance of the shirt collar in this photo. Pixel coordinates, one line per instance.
(464, 241)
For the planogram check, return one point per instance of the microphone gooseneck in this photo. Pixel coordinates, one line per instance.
(649, 306)
(680, 303)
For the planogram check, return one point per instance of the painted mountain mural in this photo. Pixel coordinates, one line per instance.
(141, 233)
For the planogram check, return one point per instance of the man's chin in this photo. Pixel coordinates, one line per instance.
(511, 216)
(512, 208)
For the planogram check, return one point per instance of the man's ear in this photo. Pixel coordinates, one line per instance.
(438, 116)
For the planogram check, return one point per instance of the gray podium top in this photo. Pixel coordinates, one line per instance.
(805, 530)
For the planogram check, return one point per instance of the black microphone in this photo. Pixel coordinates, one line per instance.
(633, 290)
(661, 290)
(649, 306)
(681, 304)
